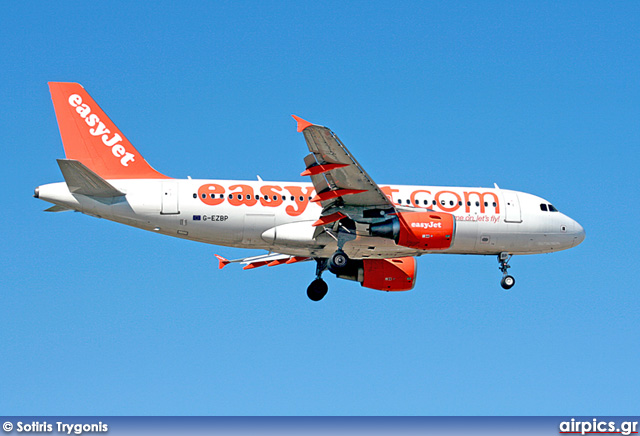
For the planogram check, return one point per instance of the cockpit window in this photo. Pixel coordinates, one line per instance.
(543, 207)
(552, 209)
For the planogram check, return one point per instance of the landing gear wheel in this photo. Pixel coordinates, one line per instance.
(507, 282)
(317, 290)
(338, 261)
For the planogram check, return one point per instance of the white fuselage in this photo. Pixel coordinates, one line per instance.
(278, 216)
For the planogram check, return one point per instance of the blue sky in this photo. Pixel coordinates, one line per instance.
(100, 319)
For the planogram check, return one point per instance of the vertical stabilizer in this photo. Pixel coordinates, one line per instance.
(89, 136)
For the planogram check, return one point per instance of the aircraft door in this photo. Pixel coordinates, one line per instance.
(169, 198)
(511, 207)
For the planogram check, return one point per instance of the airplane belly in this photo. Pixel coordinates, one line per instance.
(465, 238)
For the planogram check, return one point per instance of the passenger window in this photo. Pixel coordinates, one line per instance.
(495, 204)
(284, 198)
(426, 202)
(292, 198)
(230, 196)
(552, 209)
(477, 203)
(451, 203)
(468, 203)
(301, 198)
(486, 204)
(275, 197)
(399, 201)
(195, 195)
(213, 196)
(543, 207)
(204, 195)
(417, 202)
(434, 202)
(460, 203)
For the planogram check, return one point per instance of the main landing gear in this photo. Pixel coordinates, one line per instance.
(318, 288)
(507, 281)
(338, 262)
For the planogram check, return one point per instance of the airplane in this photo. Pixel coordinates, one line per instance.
(343, 220)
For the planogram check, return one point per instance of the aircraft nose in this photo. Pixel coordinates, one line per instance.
(578, 234)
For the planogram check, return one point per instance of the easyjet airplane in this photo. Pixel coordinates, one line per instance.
(343, 220)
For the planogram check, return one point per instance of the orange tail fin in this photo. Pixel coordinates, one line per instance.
(88, 135)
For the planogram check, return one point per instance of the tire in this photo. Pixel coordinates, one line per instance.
(317, 290)
(338, 261)
(507, 282)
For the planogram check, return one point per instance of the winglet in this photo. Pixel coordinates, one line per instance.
(222, 262)
(302, 124)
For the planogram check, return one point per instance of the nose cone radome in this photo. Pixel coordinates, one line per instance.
(578, 233)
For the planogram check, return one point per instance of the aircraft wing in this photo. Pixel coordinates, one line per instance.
(269, 259)
(335, 173)
(343, 187)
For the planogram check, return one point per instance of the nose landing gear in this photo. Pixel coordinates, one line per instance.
(507, 281)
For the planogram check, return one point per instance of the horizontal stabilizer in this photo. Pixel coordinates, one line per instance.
(222, 262)
(58, 208)
(81, 180)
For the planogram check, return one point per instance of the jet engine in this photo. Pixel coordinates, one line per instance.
(421, 230)
(382, 274)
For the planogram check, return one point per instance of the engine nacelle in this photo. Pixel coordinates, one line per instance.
(383, 274)
(421, 230)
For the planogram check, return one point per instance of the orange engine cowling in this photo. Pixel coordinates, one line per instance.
(383, 274)
(389, 274)
(426, 230)
(421, 230)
